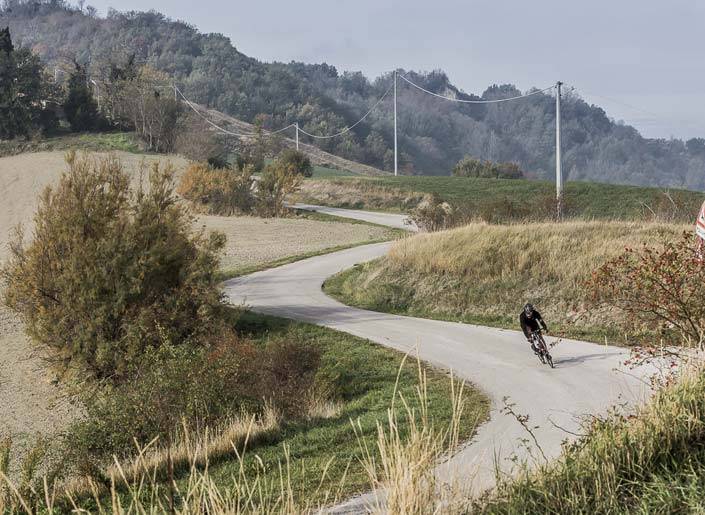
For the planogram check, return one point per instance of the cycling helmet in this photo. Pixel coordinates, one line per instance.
(528, 309)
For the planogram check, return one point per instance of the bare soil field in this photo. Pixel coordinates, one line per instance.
(32, 402)
(254, 240)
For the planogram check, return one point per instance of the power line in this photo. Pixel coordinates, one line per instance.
(654, 117)
(476, 101)
(346, 129)
(221, 129)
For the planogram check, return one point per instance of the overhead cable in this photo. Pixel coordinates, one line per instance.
(346, 129)
(535, 92)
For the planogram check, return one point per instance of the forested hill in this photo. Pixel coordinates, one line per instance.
(434, 134)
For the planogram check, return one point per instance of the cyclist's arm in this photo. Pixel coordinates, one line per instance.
(540, 320)
(524, 326)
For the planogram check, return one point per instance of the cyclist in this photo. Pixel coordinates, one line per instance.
(529, 319)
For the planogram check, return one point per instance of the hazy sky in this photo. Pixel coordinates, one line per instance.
(646, 54)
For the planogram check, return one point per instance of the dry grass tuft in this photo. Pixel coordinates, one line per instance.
(403, 467)
(190, 447)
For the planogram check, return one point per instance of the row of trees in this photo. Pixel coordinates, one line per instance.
(132, 97)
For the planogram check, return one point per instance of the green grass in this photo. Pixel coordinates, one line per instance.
(94, 142)
(584, 199)
(322, 172)
(365, 374)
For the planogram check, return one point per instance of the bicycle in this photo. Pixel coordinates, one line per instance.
(540, 344)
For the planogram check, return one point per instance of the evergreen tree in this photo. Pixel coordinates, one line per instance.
(20, 89)
(80, 108)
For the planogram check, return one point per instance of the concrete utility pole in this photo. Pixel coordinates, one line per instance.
(396, 156)
(559, 172)
(297, 135)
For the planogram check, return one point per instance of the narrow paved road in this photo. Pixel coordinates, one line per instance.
(389, 219)
(588, 378)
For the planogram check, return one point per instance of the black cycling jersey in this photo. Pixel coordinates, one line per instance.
(529, 325)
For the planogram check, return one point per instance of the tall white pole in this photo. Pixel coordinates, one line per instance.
(396, 155)
(297, 135)
(559, 172)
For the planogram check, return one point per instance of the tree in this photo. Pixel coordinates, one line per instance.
(297, 162)
(80, 107)
(253, 152)
(140, 101)
(21, 79)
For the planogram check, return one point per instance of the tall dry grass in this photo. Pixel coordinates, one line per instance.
(190, 447)
(484, 273)
(650, 462)
(401, 469)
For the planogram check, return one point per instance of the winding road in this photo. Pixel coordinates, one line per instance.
(588, 378)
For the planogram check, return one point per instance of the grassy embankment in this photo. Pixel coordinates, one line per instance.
(651, 462)
(499, 199)
(483, 274)
(312, 456)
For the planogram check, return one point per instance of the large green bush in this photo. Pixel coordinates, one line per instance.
(109, 272)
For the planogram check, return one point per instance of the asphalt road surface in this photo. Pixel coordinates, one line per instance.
(588, 378)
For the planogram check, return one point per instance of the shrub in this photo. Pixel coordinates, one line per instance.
(200, 387)
(433, 214)
(277, 183)
(296, 162)
(287, 375)
(220, 191)
(110, 273)
(657, 287)
(471, 167)
(169, 384)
